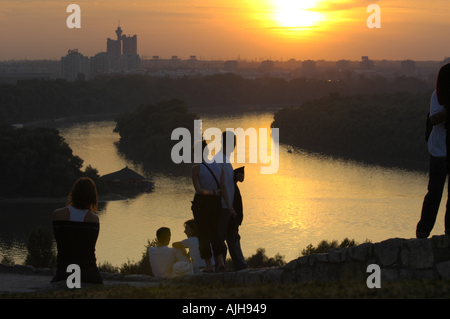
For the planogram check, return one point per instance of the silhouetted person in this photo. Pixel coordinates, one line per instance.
(167, 261)
(209, 184)
(76, 229)
(438, 142)
(191, 242)
(229, 223)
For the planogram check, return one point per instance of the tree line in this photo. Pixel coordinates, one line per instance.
(145, 134)
(387, 129)
(39, 163)
(33, 100)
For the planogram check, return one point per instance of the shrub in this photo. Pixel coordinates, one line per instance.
(324, 246)
(108, 267)
(41, 253)
(260, 259)
(141, 267)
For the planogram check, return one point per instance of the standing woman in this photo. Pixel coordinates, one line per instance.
(209, 184)
(76, 229)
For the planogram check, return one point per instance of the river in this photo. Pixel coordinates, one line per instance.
(311, 197)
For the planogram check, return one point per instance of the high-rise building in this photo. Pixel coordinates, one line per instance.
(114, 47)
(74, 66)
(129, 61)
(129, 44)
(103, 63)
(124, 48)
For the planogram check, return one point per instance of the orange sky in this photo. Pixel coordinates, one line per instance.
(224, 29)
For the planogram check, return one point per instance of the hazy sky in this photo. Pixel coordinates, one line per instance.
(213, 29)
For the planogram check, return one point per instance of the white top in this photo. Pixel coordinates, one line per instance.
(167, 261)
(206, 178)
(192, 244)
(77, 215)
(229, 177)
(162, 259)
(436, 141)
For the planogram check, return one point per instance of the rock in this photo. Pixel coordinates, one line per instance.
(6, 268)
(253, 276)
(314, 258)
(443, 269)
(44, 271)
(337, 255)
(387, 252)
(272, 275)
(442, 241)
(304, 274)
(390, 274)
(361, 252)
(107, 276)
(417, 254)
(23, 269)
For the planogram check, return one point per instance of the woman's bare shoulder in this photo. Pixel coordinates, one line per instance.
(61, 214)
(92, 218)
(195, 169)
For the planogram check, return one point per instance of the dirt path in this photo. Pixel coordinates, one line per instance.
(14, 283)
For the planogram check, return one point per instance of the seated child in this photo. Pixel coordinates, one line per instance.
(192, 243)
(163, 258)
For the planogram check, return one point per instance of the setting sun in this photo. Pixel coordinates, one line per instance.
(294, 13)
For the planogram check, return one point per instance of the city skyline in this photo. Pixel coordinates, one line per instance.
(249, 29)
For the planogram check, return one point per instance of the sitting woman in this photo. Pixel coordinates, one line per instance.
(190, 229)
(76, 229)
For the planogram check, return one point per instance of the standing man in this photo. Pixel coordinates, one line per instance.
(229, 224)
(437, 147)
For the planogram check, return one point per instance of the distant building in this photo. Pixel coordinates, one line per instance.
(75, 65)
(192, 63)
(114, 47)
(129, 44)
(231, 65)
(267, 65)
(366, 64)
(343, 65)
(13, 74)
(308, 68)
(102, 63)
(126, 178)
(124, 48)
(408, 68)
(129, 61)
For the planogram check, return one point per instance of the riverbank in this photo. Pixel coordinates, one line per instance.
(50, 200)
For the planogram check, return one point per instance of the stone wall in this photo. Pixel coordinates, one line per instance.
(398, 259)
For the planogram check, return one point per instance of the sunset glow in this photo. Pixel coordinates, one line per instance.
(221, 29)
(292, 13)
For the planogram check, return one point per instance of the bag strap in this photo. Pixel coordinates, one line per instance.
(218, 185)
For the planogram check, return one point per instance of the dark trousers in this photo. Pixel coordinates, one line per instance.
(206, 210)
(430, 208)
(229, 232)
(234, 245)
